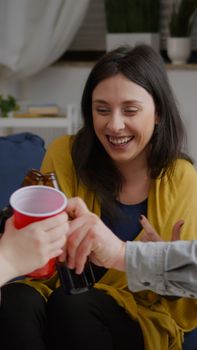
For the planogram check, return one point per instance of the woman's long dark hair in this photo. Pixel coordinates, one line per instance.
(143, 66)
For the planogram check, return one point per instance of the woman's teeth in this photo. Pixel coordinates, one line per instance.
(119, 140)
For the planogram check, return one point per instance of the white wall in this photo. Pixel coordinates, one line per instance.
(62, 84)
(184, 84)
(9, 88)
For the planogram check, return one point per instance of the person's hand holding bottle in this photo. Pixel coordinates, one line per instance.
(89, 237)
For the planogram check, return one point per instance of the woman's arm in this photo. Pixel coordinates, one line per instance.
(167, 268)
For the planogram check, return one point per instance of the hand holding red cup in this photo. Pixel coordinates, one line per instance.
(36, 203)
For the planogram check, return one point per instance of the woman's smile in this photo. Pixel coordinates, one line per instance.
(121, 140)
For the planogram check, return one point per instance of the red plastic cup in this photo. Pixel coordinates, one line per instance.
(36, 203)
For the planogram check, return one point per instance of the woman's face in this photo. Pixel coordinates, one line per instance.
(124, 118)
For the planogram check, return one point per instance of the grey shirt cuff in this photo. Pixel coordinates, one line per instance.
(153, 266)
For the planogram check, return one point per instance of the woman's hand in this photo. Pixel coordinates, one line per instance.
(150, 234)
(24, 250)
(89, 237)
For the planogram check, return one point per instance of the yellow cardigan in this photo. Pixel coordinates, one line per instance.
(162, 320)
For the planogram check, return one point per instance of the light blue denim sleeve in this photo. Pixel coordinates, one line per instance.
(167, 268)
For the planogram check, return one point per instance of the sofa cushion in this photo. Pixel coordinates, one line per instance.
(18, 153)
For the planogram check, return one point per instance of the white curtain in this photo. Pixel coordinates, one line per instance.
(34, 33)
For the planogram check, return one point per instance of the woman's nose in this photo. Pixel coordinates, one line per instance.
(116, 122)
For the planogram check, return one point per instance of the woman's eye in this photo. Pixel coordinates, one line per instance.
(130, 111)
(102, 110)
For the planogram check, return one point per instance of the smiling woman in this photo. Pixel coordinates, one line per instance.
(124, 119)
(126, 161)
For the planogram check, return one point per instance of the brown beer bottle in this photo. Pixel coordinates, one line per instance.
(33, 177)
(72, 283)
(50, 179)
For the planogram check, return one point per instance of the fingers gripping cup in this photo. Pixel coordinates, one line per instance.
(36, 203)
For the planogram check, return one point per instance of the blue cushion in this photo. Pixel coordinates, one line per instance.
(18, 153)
